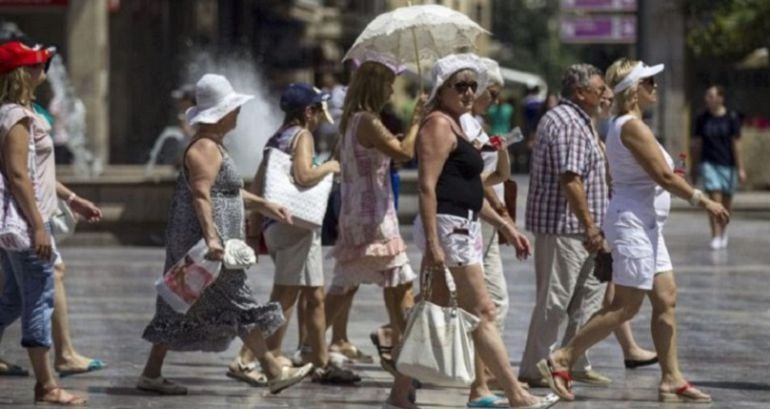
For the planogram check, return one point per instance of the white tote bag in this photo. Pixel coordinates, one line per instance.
(307, 205)
(437, 346)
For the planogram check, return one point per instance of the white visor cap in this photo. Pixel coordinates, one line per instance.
(641, 70)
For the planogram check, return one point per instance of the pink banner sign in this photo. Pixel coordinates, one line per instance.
(598, 29)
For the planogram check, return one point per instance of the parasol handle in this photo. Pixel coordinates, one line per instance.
(417, 55)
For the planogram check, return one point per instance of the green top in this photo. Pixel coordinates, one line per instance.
(500, 118)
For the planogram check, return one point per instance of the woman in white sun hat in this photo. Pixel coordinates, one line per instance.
(448, 229)
(642, 182)
(208, 203)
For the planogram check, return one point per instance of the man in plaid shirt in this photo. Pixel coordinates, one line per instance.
(565, 209)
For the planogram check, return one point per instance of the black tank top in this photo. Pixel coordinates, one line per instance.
(459, 188)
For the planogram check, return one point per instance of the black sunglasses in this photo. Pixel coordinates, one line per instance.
(649, 81)
(494, 94)
(463, 86)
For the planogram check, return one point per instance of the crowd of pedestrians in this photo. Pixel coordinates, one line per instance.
(587, 197)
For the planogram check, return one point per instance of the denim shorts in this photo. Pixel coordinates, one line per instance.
(27, 294)
(719, 178)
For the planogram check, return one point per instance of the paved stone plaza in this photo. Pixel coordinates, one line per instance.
(724, 323)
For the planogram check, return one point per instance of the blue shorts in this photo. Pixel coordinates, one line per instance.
(27, 294)
(719, 178)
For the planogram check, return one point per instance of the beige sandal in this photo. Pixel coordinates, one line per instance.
(247, 373)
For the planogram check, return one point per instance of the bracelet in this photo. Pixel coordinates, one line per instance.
(70, 198)
(697, 196)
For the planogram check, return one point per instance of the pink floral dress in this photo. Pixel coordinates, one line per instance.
(369, 249)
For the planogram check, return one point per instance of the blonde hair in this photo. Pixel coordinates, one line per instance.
(627, 99)
(16, 87)
(366, 91)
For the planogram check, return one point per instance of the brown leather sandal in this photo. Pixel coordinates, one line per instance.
(53, 397)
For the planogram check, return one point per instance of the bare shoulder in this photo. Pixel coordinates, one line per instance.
(635, 126)
(202, 152)
(437, 126)
(368, 121)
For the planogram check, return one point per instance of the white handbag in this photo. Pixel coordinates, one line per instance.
(307, 205)
(437, 346)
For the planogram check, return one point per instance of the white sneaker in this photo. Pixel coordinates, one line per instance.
(716, 243)
(724, 241)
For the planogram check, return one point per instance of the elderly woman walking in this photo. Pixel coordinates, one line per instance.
(448, 229)
(642, 177)
(208, 203)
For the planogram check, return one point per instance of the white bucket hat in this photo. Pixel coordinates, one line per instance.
(216, 98)
(641, 70)
(492, 69)
(449, 65)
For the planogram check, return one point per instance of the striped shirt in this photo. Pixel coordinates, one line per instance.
(565, 142)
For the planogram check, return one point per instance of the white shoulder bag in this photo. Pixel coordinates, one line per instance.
(307, 205)
(437, 346)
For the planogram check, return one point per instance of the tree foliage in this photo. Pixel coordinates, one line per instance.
(728, 28)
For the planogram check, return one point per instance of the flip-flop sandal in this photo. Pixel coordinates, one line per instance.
(546, 402)
(681, 395)
(94, 365)
(545, 367)
(13, 370)
(491, 401)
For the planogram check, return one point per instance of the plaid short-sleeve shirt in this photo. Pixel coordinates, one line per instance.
(565, 142)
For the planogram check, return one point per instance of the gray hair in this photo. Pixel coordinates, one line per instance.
(576, 76)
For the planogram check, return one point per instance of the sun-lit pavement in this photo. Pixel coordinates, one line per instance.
(723, 311)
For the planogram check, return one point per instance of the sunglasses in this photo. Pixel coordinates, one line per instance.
(494, 94)
(648, 81)
(462, 86)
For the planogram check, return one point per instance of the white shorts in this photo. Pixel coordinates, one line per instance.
(639, 250)
(460, 238)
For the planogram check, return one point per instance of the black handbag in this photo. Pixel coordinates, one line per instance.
(330, 227)
(603, 266)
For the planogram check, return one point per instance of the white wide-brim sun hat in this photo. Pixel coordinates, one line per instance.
(215, 98)
(449, 65)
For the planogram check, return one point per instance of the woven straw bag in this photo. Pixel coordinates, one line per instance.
(307, 205)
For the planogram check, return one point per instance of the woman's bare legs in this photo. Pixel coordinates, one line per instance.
(625, 336)
(663, 325)
(46, 384)
(65, 356)
(315, 325)
(286, 295)
(337, 304)
(397, 301)
(154, 366)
